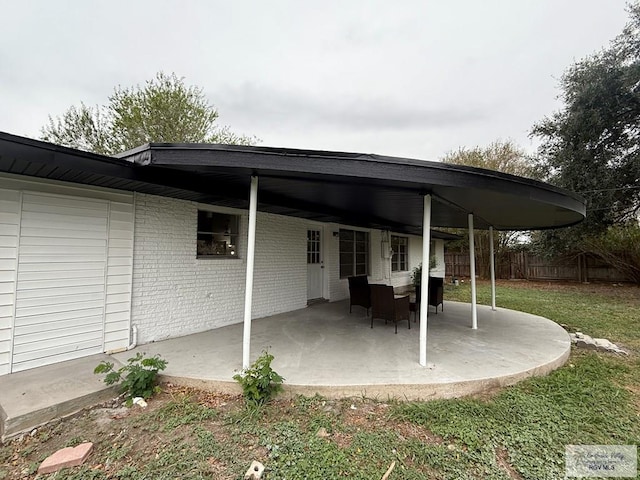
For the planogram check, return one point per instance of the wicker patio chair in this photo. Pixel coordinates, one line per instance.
(389, 307)
(359, 292)
(436, 292)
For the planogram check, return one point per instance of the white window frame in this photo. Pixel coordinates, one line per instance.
(399, 257)
(354, 252)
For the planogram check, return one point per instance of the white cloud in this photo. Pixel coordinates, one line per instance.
(408, 78)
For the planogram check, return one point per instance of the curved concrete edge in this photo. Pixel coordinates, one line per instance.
(383, 392)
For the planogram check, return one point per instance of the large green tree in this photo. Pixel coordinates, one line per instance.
(592, 145)
(162, 110)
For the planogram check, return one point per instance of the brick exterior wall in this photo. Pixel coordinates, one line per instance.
(175, 294)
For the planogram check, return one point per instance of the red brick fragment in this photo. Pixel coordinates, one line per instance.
(67, 457)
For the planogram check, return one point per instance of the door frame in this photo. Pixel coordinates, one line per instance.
(323, 250)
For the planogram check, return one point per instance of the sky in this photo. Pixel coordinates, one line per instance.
(405, 78)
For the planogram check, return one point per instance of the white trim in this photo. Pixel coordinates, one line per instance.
(219, 209)
(424, 282)
(248, 291)
(472, 273)
(132, 338)
(15, 286)
(58, 187)
(106, 275)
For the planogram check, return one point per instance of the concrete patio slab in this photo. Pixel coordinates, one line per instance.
(37, 396)
(323, 349)
(320, 349)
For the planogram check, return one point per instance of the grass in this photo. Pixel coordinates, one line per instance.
(519, 432)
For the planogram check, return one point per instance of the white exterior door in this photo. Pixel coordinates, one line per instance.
(62, 262)
(315, 264)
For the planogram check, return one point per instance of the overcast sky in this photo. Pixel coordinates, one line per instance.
(403, 78)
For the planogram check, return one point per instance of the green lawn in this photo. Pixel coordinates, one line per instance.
(519, 432)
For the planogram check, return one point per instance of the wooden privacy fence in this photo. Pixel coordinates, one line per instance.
(524, 265)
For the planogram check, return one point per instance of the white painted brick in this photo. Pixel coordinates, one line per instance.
(174, 293)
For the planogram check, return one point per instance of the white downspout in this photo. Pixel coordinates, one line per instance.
(248, 289)
(134, 338)
(472, 268)
(424, 281)
(132, 328)
(492, 264)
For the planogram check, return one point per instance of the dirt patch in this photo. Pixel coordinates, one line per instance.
(407, 430)
(125, 433)
(502, 457)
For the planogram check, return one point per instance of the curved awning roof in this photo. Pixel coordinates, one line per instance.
(351, 188)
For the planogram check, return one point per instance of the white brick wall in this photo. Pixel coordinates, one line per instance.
(174, 293)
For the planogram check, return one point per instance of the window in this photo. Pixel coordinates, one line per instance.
(354, 253)
(399, 260)
(313, 246)
(217, 234)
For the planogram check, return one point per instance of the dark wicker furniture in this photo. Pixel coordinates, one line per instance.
(389, 307)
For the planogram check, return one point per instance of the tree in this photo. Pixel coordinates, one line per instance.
(163, 110)
(592, 145)
(502, 156)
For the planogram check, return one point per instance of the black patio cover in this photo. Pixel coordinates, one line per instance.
(357, 189)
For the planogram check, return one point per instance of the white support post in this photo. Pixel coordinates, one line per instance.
(492, 263)
(424, 281)
(248, 289)
(472, 267)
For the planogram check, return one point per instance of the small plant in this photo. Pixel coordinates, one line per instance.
(416, 273)
(259, 382)
(138, 376)
(416, 276)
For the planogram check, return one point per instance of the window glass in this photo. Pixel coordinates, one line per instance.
(354, 253)
(400, 258)
(217, 234)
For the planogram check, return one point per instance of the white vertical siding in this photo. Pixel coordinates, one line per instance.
(66, 260)
(9, 228)
(59, 311)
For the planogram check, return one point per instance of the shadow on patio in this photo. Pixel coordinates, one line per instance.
(324, 349)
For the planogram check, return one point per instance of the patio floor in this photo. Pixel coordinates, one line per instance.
(320, 349)
(324, 349)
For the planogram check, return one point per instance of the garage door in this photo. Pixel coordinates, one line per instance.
(60, 297)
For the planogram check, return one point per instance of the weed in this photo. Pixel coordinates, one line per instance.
(138, 376)
(176, 413)
(259, 382)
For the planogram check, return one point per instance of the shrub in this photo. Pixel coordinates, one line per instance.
(138, 376)
(259, 382)
(619, 246)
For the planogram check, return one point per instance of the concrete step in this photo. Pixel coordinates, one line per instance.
(34, 397)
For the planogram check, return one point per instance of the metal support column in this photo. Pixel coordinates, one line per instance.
(424, 281)
(472, 268)
(248, 289)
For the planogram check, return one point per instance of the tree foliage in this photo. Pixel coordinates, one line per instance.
(505, 157)
(619, 246)
(591, 146)
(502, 156)
(164, 110)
